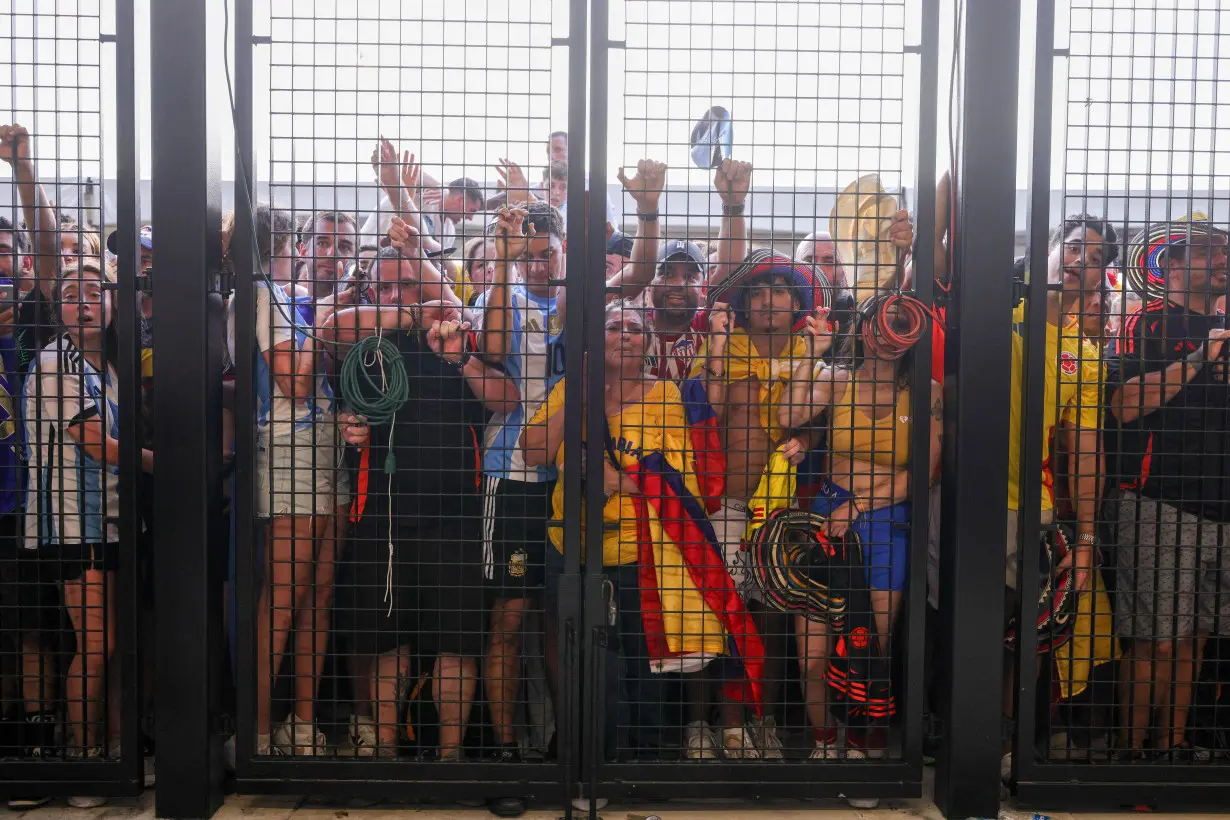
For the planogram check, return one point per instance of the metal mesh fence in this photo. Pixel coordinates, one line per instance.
(1132, 414)
(62, 508)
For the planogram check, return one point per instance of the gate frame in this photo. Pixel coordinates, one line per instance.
(1040, 783)
(122, 778)
(671, 779)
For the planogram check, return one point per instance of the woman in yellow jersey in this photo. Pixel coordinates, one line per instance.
(645, 419)
(869, 463)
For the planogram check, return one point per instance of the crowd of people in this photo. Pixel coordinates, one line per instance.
(759, 448)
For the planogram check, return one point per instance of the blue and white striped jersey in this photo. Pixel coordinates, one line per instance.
(71, 495)
(535, 362)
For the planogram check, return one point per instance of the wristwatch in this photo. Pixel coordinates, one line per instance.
(733, 210)
(653, 217)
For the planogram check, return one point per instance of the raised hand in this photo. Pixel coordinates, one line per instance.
(900, 231)
(511, 237)
(721, 320)
(512, 180)
(732, 181)
(404, 236)
(384, 164)
(14, 143)
(818, 333)
(646, 187)
(447, 339)
(411, 172)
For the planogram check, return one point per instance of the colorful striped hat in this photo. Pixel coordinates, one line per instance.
(810, 283)
(1145, 262)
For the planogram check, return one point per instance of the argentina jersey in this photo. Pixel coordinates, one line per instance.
(535, 363)
(71, 495)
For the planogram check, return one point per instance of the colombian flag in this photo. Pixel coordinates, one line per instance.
(707, 453)
(689, 606)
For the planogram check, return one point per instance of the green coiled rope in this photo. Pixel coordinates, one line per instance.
(391, 388)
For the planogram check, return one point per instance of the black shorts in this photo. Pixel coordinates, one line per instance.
(435, 600)
(515, 515)
(30, 598)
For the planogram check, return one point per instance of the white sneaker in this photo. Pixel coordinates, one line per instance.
(362, 736)
(86, 802)
(863, 802)
(740, 744)
(1005, 767)
(27, 803)
(583, 803)
(228, 750)
(295, 737)
(767, 741)
(700, 741)
(825, 751)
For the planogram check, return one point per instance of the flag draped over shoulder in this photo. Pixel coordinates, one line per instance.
(690, 609)
(708, 455)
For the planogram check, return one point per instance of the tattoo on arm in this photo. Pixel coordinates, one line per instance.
(937, 409)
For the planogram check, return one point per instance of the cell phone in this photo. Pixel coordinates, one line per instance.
(6, 294)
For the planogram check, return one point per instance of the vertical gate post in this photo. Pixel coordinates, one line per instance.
(974, 494)
(187, 100)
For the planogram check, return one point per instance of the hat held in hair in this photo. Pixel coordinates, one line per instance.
(811, 285)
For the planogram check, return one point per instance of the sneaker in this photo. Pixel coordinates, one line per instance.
(362, 737)
(86, 802)
(507, 752)
(148, 772)
(1005, 767)
(700, 741)
(767, 741)
(872, 743)
(506, 806)
(739, 744)
(27, 803)
(826, 750)
(295, 737)
(584, 803)
(863, 802)
(263, 749)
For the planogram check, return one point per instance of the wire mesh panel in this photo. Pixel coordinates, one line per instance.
(1123, 672)
(761, 399)
(406, 320)
(71, 546)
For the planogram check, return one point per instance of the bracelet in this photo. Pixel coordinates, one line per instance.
(733, 210)
(652, 217)
(1087, 538)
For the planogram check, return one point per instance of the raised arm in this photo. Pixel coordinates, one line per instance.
(510, 244)
(36, 208)
(721, 321)
(1144, 394)
(401, 186)
(811, 386)
(733, 179)
(513, 183)
(646, 190)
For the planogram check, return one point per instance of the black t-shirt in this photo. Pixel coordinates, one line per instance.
(1181, 452)
(435, 436)
(36, 324)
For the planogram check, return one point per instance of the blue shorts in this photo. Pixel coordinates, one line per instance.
(885, 535)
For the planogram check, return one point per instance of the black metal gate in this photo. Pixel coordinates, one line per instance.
(1124, 709)
(67, 739)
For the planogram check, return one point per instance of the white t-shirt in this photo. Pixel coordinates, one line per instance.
(71, 495)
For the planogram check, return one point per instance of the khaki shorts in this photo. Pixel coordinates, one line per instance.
(1014, 520)
(301, 474)
(729, 522)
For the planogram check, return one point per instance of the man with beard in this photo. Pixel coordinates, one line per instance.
(1167, 374)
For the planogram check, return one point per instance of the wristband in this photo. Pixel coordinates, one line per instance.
(733, 210)
(1087, 538)
(1196, 357)
(652, 217)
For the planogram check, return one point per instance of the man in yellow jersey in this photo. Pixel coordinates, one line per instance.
(1080, 248)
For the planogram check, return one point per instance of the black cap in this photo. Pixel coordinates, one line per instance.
(621, 244)
(682, 249)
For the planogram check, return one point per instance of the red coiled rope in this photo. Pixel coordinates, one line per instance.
(891, 324)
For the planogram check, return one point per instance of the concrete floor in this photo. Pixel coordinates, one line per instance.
(289, 808)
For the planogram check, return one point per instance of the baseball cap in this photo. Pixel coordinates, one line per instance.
(620, 243)
(712, 138)
(147, 239)
(681, 249)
